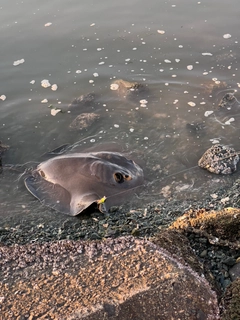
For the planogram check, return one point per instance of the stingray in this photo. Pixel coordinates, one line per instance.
(73, 182)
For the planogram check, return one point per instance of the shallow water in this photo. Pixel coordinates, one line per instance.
(179, 50)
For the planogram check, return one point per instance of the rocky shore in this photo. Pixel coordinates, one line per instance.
(170, 244)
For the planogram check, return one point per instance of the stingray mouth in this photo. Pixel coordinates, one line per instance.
(120, 177)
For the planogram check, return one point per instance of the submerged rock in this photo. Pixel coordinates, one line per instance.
(219, 159)
(102, 280)
(213, 88)
(83, 100)
(130, 90)
(196, 127)
(3, 148)
(227, 101)
(84, 121)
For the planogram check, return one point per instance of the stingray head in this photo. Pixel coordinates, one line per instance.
(71, 183)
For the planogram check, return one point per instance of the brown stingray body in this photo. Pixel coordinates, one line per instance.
(71, 183)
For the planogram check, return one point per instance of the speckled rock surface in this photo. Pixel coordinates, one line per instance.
(231, 302)
(215, 238)
(83, 121)
(219, 159)
(122, 278)
(235, 271)
(220, 227)
(179, 247)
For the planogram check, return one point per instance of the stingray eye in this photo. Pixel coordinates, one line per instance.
(118, 177)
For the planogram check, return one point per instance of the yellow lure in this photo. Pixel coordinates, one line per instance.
(102, 200)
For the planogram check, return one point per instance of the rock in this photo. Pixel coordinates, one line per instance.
(229, 261)
(83, 100)
(231, 302)
(101, 280)
(196, 127)
(213, 88)
(130, 90)
(235, 271)
(227, 101)
(179, 246)
(203, 254)
(84, 121)
(219, 227)
(3, 148)
(219, 159)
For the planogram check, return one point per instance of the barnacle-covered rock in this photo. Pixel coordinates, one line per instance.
(83, 121)
(219, 159)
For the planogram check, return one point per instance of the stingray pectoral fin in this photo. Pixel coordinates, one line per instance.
(82, 202)
(50, 194)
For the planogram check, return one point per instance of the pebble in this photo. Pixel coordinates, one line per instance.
(229, 261)
(203, 254)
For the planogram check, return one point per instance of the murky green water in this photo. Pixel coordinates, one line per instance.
(178, 49)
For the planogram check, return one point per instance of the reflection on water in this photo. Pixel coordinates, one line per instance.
(181, 52)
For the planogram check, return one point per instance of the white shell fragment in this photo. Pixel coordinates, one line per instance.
(207, 54)
(227, 36)
(207, 113)
(45, 83)
(55, 111)
(54, 87)
(143, 103)
(3, 97)
(17, 62)
(228, 122)
(191, 104)
(161, 31)
(190, 67)
(32, 81)
(48, 24)
(44, 101)
(215, 141)
(114, 86)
